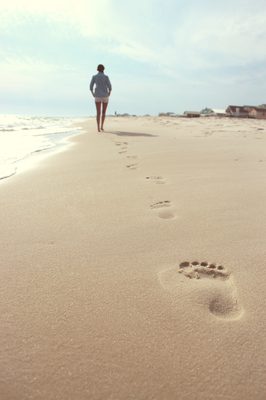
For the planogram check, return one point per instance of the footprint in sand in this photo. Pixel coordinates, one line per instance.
(160, 204)
(123, 146)
(164, 209)
(209, 133)
(132, 166)
(213, 284)
(159, 180)
(121, 143)
(132, 157)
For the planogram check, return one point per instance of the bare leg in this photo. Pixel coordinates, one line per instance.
(98, 117)
(103, 114)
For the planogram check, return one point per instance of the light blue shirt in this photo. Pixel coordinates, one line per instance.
(103, 85)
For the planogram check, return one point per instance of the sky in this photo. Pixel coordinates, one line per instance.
(161, 56)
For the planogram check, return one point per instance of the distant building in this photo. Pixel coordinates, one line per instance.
(192, 114)
(238, 111)
(214, 112)
(167, 114)
(257, 112)
(246, 112)
(219, 112)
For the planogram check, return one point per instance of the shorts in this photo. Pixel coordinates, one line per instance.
(101, 99)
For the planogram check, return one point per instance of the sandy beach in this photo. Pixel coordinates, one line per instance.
(132, 265)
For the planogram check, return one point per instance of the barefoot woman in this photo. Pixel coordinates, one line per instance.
(102, 92)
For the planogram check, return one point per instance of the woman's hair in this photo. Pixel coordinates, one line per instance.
(100, 68)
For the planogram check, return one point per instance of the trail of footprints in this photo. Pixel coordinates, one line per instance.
(132, 164)
(215, 288)
(123, 149)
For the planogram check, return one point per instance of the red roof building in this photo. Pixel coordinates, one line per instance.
(246, 112)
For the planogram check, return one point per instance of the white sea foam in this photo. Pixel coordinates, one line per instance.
(23, 136)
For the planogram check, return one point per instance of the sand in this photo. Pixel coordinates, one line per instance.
(132, 265)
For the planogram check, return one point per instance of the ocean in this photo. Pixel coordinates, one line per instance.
(24, 138)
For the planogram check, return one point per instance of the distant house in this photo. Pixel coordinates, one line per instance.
(246, 112)
(167, 114)
(238, 111)
(192, 114)
(257, 112)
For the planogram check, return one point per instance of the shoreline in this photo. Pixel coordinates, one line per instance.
(32, 159)
(131, 265)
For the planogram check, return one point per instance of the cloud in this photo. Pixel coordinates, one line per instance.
(191, 34)
(84, 14)
(27, 74)
(214, 39)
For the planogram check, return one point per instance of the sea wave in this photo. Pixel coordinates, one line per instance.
(24, 136)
